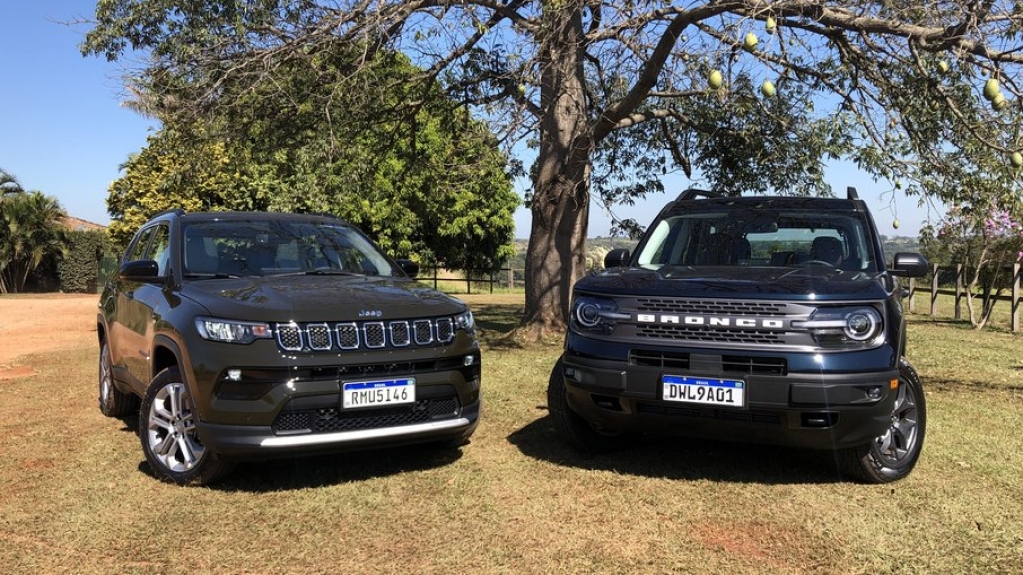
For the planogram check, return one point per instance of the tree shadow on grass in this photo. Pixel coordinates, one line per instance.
(685, 458)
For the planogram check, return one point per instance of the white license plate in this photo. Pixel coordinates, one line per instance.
(359, 394)
(705, 390)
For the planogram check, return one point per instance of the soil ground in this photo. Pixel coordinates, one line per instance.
(36, 323)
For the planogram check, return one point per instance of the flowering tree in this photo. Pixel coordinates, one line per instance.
(984, 240)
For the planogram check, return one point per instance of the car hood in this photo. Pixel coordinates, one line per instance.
(319, 298)
(815, 282)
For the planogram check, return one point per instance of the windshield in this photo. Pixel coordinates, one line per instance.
(275, 246)
(760, 238)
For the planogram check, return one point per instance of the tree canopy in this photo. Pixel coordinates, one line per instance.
(428, 183)
(748, 95)
(31, 229)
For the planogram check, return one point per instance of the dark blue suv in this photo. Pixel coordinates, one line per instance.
(761, 319)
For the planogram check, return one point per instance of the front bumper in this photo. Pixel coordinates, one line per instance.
(259, 442)
(822, 409)
(290, 404)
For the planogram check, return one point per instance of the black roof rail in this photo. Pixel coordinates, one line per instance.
(175, 211)
(850, 193)
(693, 193)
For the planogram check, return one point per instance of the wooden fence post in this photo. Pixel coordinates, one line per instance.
(1015, 297)
(934, 289)
(912, 292)
(959, 291)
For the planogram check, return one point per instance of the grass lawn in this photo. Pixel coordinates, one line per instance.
(76, 497)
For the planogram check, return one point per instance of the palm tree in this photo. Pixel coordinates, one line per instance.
(9, 184)
(30, 230)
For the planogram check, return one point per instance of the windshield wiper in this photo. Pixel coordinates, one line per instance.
(330, 272)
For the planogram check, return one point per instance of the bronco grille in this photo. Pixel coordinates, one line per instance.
(719, 322)
(349, 336)
(685, 333)
(332, 419)
(735, 308)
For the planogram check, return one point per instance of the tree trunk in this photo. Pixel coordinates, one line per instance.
(556, 255)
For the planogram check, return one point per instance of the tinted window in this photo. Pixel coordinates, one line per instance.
(159, 248)
(137, 249)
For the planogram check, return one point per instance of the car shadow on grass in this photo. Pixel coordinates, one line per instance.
(685, 458)
(302, 472)
(325, 470)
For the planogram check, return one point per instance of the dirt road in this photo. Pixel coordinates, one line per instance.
(42, 322)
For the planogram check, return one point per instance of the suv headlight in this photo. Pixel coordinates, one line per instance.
(465, 322)
(230, 331)
(595, 314)
(844, 327)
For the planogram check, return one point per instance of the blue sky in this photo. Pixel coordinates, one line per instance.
(66, 134)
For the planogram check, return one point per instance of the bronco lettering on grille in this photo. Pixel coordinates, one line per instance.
(711, 321)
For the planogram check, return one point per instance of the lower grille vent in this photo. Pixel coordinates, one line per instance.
(329, 420)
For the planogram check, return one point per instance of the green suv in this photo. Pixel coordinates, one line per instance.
(261, 335)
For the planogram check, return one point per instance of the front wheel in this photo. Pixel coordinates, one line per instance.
(894, 453)
(170, 438)
(576, 431)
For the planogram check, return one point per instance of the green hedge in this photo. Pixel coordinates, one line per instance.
(79, 269)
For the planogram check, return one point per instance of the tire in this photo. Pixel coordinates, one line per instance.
(170, 439)
(577, 431)
(112, 401)
(893, 454)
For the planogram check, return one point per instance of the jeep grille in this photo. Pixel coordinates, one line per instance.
(348, 336)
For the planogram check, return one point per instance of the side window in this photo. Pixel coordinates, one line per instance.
(137, 249)
(159, 249)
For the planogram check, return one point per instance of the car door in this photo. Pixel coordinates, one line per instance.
(138, 303)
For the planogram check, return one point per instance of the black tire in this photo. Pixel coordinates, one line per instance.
(112, 401)
(892, 455)
(170, 439)
(576, 431)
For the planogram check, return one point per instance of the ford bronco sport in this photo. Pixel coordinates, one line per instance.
(258, 335)
(763, 319)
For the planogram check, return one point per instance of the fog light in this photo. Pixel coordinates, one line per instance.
(469, 360)
(234, 374)
(874, 392)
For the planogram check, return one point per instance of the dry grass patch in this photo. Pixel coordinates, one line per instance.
(77, 497)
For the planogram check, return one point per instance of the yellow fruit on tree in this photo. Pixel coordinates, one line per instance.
(999, 102)
(943, 67)
(767, 88)
(715, 79)
(750, 42)
(770, 25)
(1017, 159)
(991, 88)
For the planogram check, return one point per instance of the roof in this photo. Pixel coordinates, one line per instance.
(77, 224)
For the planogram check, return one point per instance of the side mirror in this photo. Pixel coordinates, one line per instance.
(410, 268)
(617, 258)
(911, 265)
(140, 270)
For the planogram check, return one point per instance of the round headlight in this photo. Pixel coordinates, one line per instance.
(862, 324)
(588, 314)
